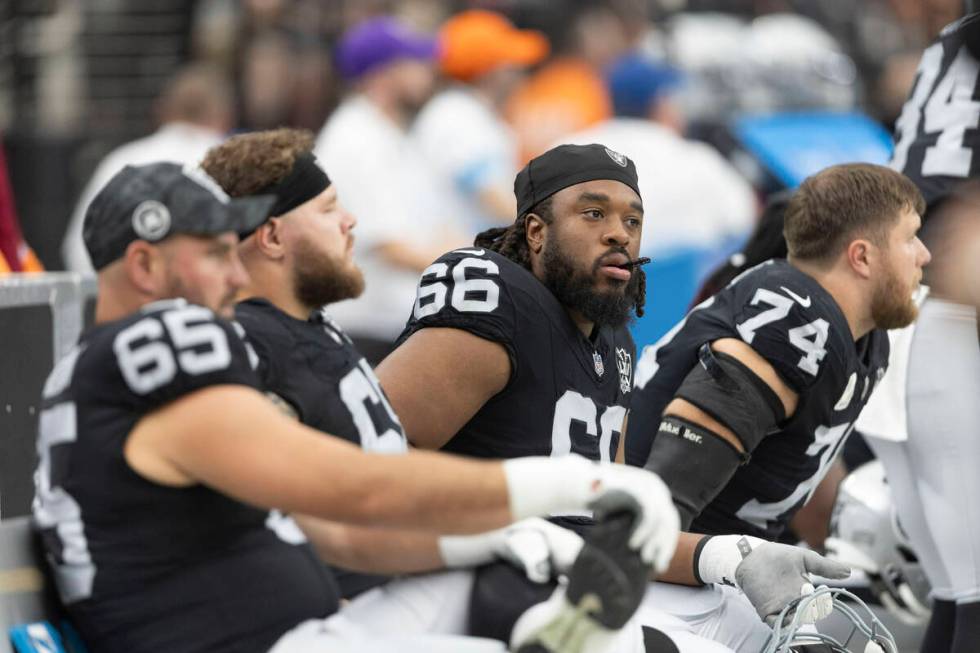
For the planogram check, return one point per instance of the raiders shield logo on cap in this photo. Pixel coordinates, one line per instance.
(151, 220)
(620, 159)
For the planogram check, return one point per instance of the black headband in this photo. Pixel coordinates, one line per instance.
(304, 182)
(567, 165)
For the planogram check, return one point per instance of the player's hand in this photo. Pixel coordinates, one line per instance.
(540, 548)
(772, 575)
(658, 524)
(540, 486)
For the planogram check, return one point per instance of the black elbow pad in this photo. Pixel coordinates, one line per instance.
(694, 462)
(734, 395)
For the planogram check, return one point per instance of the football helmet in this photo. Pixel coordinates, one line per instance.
(791, 635)
(865, 534)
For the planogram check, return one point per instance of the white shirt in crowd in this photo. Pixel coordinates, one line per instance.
(471, 147)
(178, 142)
(384, 180)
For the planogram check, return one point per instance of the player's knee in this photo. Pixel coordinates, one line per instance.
(501, 594)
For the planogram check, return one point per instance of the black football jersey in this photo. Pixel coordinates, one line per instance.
(792, 322)
(142, 566)
(313, 366)
(938, 132)
(567, 393)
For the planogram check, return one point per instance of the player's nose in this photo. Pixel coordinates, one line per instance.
(925, 255)
(348, 220)
(615, 233)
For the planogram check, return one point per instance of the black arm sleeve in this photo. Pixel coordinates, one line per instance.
(694, 462)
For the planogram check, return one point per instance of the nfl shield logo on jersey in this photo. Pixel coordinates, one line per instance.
(597, 359)
(624, 363)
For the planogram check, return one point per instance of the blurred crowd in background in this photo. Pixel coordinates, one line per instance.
(425, 109)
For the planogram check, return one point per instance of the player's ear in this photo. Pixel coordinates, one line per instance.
(269, 239)
(536, 230)
(144, 266)
(861, 255)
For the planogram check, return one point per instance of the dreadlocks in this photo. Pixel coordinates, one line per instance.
(511, 242)
(641, 291)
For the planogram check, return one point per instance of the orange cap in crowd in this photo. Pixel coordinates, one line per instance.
(476, 42)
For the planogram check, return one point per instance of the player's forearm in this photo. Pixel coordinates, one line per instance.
(681, 569)
(372, 550)
(235, 441)
(421, 490)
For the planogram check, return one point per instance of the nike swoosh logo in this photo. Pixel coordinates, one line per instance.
(805, 303)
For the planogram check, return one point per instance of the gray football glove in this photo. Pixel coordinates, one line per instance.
(771, 575)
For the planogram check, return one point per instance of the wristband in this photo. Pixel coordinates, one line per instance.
(463, 551)
(716, 558)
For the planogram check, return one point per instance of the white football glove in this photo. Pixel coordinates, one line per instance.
(771, 575)
(540, 486)
(538, 547)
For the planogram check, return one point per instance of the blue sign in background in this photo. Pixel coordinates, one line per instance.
(793, 146)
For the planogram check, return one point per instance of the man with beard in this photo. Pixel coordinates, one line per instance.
(743, 406)
(387, 181)
(300, 261)
(518, 345)
(160, 458)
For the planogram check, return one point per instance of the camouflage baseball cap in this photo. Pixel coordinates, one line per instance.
(155, 201)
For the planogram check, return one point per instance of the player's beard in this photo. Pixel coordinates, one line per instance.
(892, 306)
(319, 279)
(577, 290)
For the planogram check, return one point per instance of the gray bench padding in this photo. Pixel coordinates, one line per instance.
(25, 594)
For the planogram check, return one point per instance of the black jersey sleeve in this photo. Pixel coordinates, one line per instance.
(470, 289)
(161, 355)
(788, 328)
